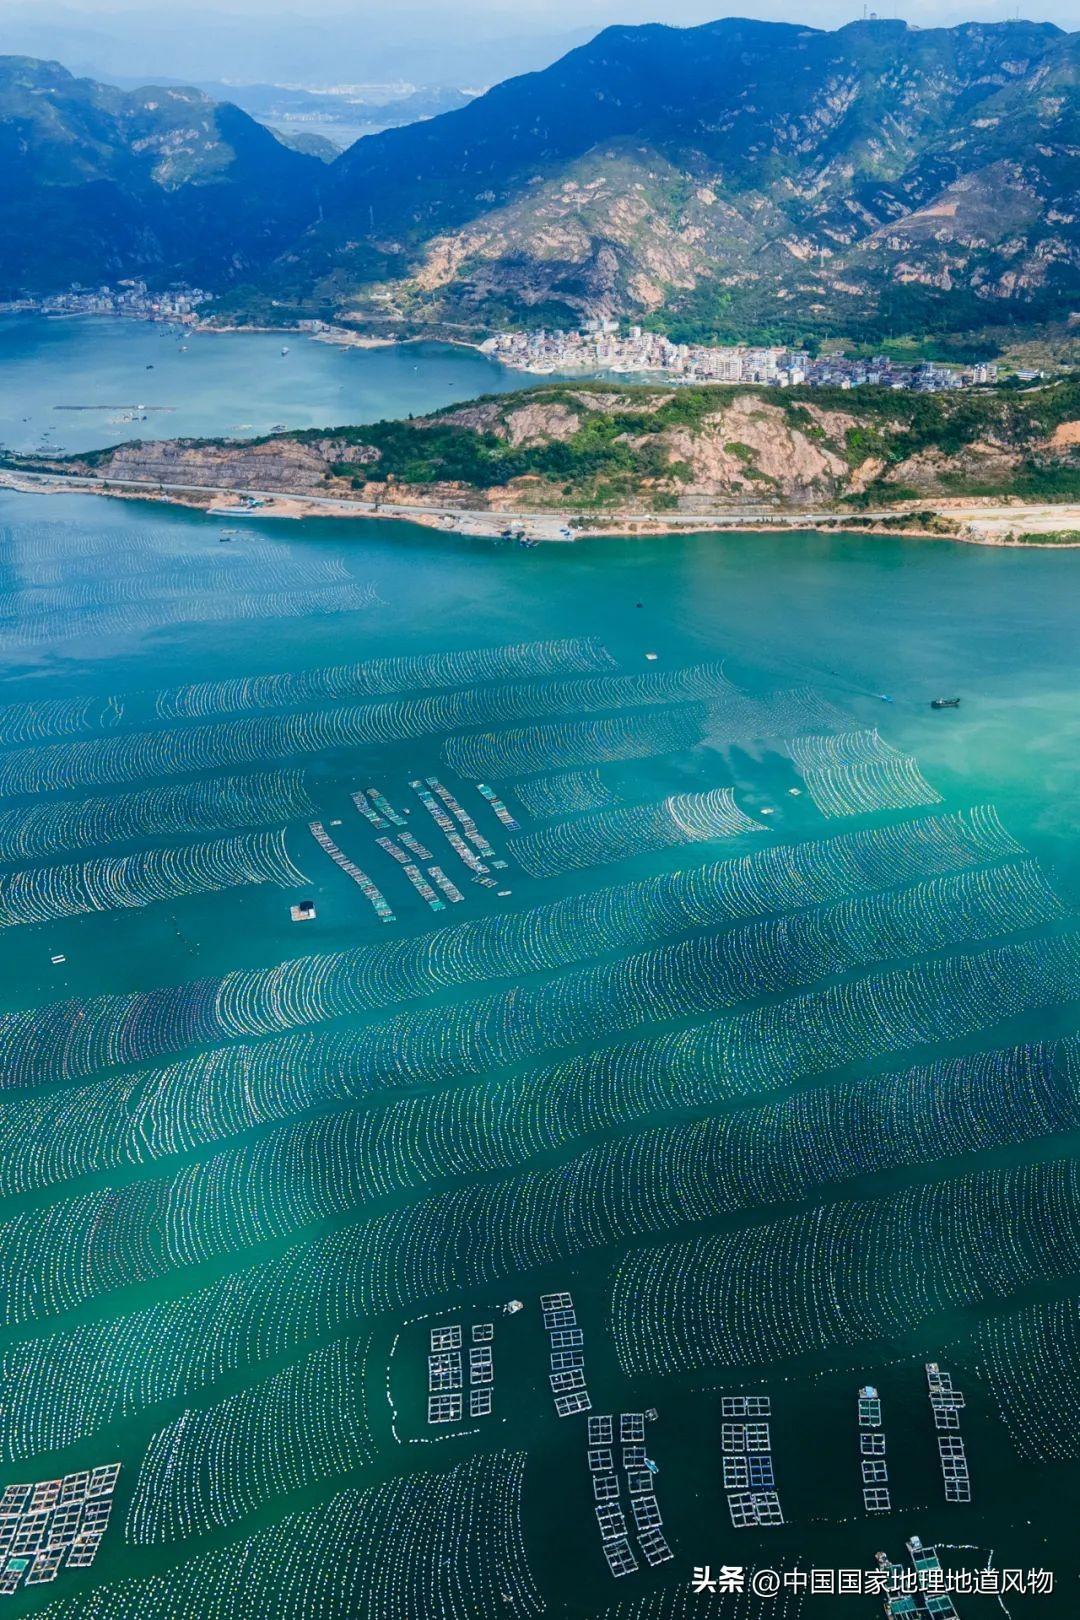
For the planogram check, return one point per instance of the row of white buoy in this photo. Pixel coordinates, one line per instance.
(797, 1283)
(141, 755)
(1031, 1360)
(840, 1274)
(448, 1543)
(56, 717)
(564, 793)
(213, 804)
(47, 893)
(68, 1039)
(384, 677)
(216, 606)
(774, 1153)
(721, 718)
(613, 835)
(286, 1432)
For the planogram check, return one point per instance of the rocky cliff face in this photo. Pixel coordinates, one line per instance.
(283, 465)
(751, 449)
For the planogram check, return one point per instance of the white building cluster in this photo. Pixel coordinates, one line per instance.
(602, 346)
(131, 298)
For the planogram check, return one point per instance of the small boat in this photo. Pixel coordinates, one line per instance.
(884, 696)
(945, 703)
(285, 348)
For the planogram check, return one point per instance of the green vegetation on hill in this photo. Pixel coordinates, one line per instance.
(621, 446)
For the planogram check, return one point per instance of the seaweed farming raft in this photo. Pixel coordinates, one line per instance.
(920, 1590)
(368, 811)
(461, 849)
(466, 822)
(413, 873)
(453, 821)
(448, 887)
(350, 868)
(504, 815)
(384, 808)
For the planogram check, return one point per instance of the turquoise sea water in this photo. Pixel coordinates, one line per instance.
(222, 1270)
(211, 383)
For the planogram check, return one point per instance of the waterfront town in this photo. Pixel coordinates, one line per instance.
(604, 345)
(130, 298)
(600, 346)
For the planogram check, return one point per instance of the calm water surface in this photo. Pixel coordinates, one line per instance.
(211, 383)
(847, 619)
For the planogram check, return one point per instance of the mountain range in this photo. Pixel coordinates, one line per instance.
(100, 183)
(740, 178)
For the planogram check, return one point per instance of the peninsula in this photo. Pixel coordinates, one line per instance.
(567, 458)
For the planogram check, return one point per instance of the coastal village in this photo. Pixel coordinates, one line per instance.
(131, 298)
(604, 345)
(601, 345)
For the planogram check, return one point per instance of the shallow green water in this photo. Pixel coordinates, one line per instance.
(849, 618)
(211, 383)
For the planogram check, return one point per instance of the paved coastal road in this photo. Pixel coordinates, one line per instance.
(991, 522)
